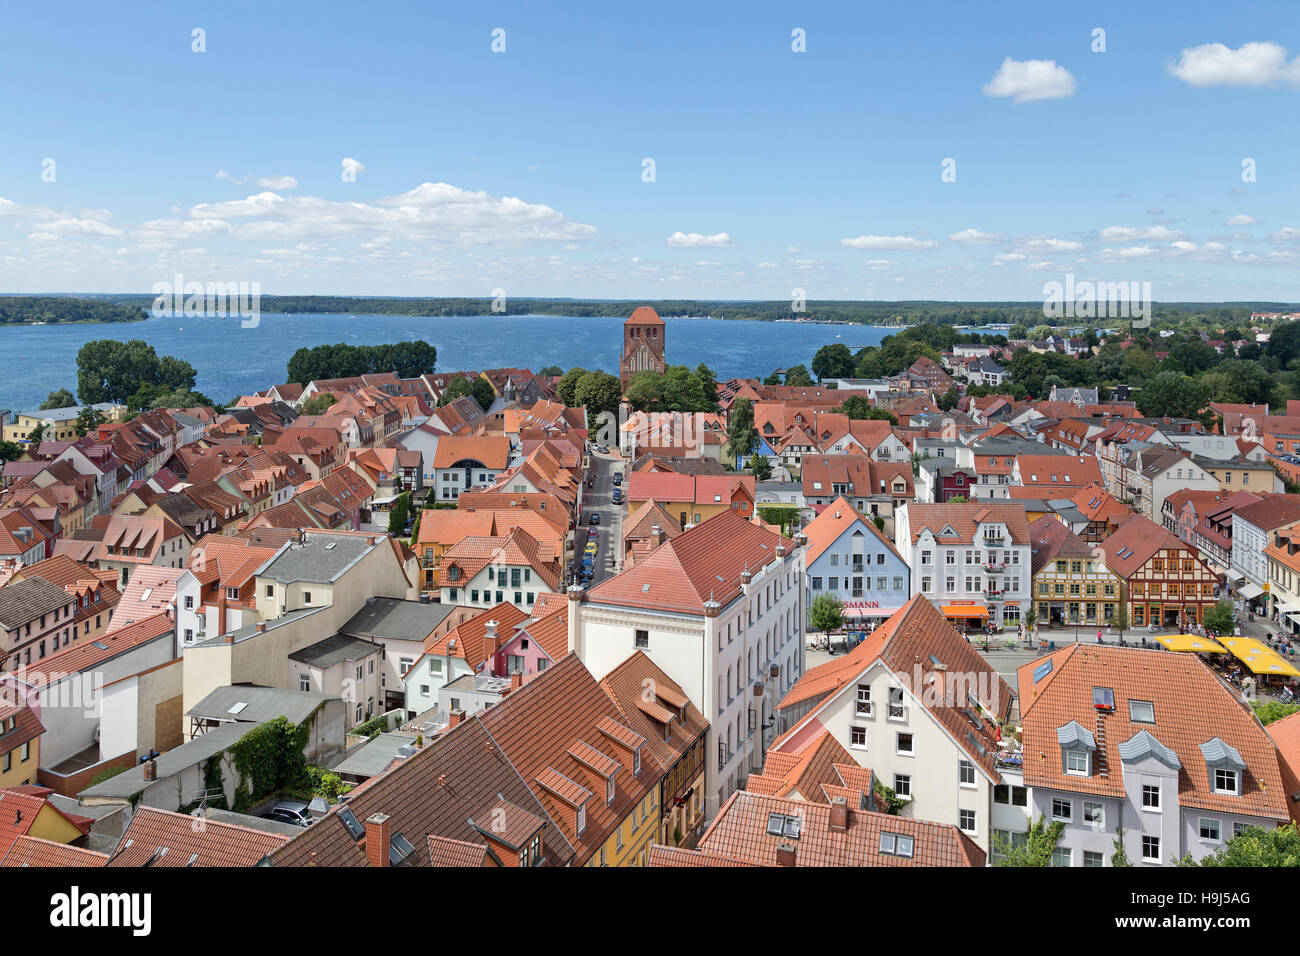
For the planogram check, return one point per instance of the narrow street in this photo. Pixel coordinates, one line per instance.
(599, 500)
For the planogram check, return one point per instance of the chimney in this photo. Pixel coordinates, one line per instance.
(785, 854)
(455, 717)
(377, 839)
(839, 815)
(261, 627)
(657, 535)
(516, 680)
(370, 541)
(150, 770)
(490, 637)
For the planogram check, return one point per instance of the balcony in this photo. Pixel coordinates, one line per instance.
(995, 568)
(994, 541)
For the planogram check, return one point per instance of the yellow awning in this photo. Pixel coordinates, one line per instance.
(1259, 657)
(1191, 642)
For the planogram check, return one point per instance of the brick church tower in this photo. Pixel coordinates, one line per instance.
(643, 344)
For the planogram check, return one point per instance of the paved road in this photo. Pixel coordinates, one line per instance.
(599, 500)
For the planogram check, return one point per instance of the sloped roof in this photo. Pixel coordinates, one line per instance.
(702, 562)
(1064, 692)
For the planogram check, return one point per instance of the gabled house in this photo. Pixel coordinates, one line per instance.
(914, 702)
(1121, 750)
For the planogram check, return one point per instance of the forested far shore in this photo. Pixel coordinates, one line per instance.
(60, 310)
(917, 312)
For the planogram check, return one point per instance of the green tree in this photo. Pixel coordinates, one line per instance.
(1171, 394)
(762, 468)
(35, 436)
(479, 389)
(113, 371)
(742, 436)
(9, 450)
(1220, 619)
(397, 515)
(568, 385)
(773, 379)
(1258, 846)
(855, 406)
(88, 419)
(798, 376)
(1018, 332)
(1040, 842)
(1120, 856)
(948, 400)
(60, 398)
(833, 361)
(1270, 710)
(598, 392)
(550, 371)
(826, 612)
(318, 403)
(1284, 343)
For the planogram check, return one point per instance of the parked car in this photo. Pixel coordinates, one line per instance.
(618, 478)
(618, 497)
(595, 517)
(290, 811)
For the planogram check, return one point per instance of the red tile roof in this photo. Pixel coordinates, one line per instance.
(740, 832)
(213, 844)
(703, 563)
(1169, 681)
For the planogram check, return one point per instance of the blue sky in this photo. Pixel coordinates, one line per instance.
(774, 170)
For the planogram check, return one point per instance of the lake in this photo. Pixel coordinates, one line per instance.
(231, 360)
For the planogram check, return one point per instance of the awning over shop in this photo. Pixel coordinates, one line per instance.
(1250, 591)
(1282, 608)
(1191, 642)
(1293, 618)
(965, 610)
(1258, 657)
(869, 611)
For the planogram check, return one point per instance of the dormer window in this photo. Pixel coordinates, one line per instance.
(582, 819)
(609, 789)
(1225, 765)
(636, 762)
(1076, 762)
(1227, 781)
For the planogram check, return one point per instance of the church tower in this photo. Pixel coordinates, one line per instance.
(643, 344)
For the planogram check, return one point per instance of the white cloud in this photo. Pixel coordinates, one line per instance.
(791, 250)
(1005, 257)
(278, 182)
(1122, 233)
(1050, 245)
(697, 240)
(431, 212)
(222, 174)
(888, 242)
(1251, 64)
(1131, 252)
(880, 265)
(351, 167)
(767, 265)
(1286, 234)
(1028, 80)
(1241, 219)
(976, 238)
